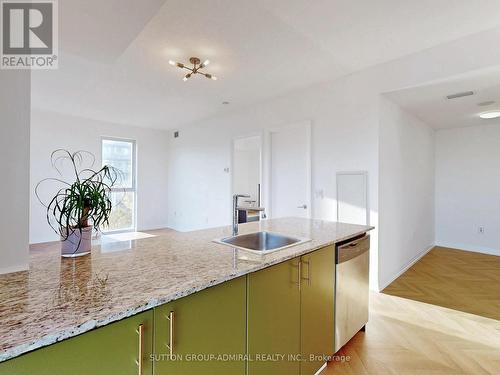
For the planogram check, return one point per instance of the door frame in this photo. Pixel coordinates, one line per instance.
(261, 167)
(307, 124)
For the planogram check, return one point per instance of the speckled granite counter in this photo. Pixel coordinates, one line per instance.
(59, 298)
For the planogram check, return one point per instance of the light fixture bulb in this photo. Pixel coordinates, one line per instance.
(490, 115)
(194, 69)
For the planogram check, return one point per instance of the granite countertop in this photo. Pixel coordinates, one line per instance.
(58, 298)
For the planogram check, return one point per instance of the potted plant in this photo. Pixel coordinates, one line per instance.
(81, 205)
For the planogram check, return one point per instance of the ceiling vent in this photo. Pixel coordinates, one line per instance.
(460, 95)
(484, 104)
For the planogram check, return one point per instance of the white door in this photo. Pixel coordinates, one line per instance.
(291, 171)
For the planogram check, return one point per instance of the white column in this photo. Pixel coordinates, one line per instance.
(15, 103)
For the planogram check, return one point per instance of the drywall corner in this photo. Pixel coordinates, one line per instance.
(15, 103)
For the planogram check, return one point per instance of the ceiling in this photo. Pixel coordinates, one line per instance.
(429, 103)
(114, 54)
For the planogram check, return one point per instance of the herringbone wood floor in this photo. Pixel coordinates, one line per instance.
(459, 280)
(444, 334)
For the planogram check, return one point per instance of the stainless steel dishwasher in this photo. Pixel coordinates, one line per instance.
(352, 260)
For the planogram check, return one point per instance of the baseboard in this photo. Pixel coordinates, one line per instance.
(156, 227)
(411, 263)
(17, 268)
(474, 249)
(178, 228)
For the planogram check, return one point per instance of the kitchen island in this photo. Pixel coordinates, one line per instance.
(57, 299)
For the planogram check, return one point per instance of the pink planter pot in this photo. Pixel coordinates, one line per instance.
(78, 243)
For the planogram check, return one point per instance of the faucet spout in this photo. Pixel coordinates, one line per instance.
(235, 211)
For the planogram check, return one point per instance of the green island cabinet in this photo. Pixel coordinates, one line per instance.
(235, 328)
(317, 303)
(291, 315)
(121, 348)
(204, 333)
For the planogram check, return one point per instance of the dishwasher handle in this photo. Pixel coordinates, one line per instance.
(353, 249)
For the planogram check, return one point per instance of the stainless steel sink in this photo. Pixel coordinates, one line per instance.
(261, 242)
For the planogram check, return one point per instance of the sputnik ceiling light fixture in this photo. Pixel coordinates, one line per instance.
(196, 69)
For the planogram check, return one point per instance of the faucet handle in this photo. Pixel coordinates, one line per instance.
(236, 196)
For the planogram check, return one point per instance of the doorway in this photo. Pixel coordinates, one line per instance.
(291, 171)
(247, 172)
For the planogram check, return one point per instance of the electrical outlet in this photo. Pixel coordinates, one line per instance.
(480, 230)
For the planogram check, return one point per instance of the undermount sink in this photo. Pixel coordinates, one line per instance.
(262, 242)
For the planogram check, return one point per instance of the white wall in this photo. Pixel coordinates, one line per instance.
(15, 103)
(468, 188)
(345, 136)
(406, 190)
(50, 131)
(200, 154)
(343, 139)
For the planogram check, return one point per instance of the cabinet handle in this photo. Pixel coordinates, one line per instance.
(299, 274)
(170, 345)
(309, 268)
(140, 332)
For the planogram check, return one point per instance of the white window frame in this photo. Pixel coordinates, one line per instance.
(133, 189)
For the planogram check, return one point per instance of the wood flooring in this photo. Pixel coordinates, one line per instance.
(459, 280)
(441, 317)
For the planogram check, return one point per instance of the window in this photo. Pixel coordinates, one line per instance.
(120, 154)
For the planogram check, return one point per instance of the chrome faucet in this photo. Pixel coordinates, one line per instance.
(235, 211)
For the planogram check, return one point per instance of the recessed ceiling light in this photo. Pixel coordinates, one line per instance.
(490, 115)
